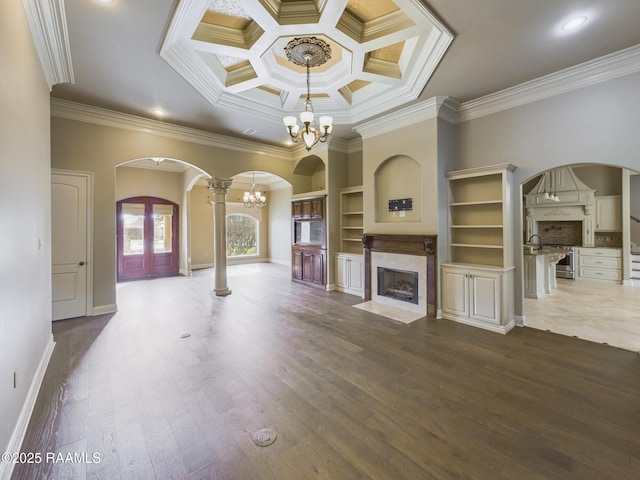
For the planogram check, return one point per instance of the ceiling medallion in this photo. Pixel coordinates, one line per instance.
(308, 52)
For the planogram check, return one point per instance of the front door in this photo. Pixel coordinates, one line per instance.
(68, 246)
(147, 238)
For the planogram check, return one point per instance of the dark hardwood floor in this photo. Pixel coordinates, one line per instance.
(351, 395)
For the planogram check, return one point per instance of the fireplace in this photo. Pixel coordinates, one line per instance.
(400, 285)
(403, 253)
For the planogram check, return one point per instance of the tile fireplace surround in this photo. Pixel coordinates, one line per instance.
(402, 250)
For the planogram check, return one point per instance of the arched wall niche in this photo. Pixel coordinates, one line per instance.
(310, 175)
(398, 177)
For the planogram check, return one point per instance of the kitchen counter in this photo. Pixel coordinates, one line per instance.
(540, 270)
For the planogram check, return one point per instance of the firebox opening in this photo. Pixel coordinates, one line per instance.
(398, 284)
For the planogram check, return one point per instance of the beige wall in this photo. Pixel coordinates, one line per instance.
(201, 227)
(98, 149)
(280, 226)
(144, 182)
(418, 144)
(25, 220)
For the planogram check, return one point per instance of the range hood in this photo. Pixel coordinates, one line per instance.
(576, 202)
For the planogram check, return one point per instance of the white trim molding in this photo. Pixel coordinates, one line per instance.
(407, 116)
(19, 432)
(608, 67)
(104, 309)
(109, 118)
(48, 25)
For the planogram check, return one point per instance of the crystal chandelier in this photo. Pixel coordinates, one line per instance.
(308, 52)
(254, 198)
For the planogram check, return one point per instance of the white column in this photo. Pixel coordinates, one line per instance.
(220, 188)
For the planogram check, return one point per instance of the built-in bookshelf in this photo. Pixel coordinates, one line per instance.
(477, 282)
(479, 209)
(351, 220)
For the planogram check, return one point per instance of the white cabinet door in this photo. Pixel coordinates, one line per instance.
(355, 267)
(455, 292)
(608, 214)
(341, 271)
(484, 297)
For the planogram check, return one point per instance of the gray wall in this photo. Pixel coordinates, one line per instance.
(25, 220)
(592, 125)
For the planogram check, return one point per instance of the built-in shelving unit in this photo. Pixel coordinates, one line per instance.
(350, 259)
(477, 282)
(351, 220)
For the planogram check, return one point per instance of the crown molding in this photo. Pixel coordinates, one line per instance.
(405, 117)
(48, 25)
(109, 118)
(595, 71)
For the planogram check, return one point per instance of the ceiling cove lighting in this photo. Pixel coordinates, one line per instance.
(254, 198)
(574, 23)
(308, 52)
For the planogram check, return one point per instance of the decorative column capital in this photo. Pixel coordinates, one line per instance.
(220, 186)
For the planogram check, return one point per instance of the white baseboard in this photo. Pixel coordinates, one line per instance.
(280, 262)
(15, 442)
(519, 319)
(184, 272)
(200, 266)
(104, 309)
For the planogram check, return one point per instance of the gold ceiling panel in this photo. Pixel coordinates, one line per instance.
(271, 90)
(238, 65)
(363, 24)
(223, 35)
(241, 73)
(357, 85)
(293, 12)
(390, 53)
(368, 10)
(223, 20)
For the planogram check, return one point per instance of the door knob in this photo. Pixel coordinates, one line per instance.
(81, 264)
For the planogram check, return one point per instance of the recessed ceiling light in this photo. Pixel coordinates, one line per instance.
(158, 112)
(250, 131)
(107, 2)
(574, 23)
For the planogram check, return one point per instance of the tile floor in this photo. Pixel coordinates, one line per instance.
(591, 310)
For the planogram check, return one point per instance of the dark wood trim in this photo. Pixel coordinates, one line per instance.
(422, 245)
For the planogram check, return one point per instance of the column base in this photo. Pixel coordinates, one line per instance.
(222, 292)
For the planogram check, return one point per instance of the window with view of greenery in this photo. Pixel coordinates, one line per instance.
(242, 235)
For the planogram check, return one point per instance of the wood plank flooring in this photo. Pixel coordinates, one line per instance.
(351, 395)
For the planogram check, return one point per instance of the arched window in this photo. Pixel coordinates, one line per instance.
(242, 235)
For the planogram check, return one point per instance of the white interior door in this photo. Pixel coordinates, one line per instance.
(69, 245)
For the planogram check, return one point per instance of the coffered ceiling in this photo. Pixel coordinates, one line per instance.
(382, 54)
(220, 66)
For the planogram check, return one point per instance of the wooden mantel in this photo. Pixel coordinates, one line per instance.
(422, 245)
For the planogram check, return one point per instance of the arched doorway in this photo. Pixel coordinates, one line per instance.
(600, 301)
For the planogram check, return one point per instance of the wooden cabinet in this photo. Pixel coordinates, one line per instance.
(308, 265)
(351, 220)
(308, 209)
(477, 283)
(350, 273)
(308, 252)
(609, 213)
(478, 296)
(600, 264)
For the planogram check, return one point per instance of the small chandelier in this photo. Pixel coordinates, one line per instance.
(308, 52)
(254, 198)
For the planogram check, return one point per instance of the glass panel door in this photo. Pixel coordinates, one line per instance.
(133, 228)
(147, 238)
